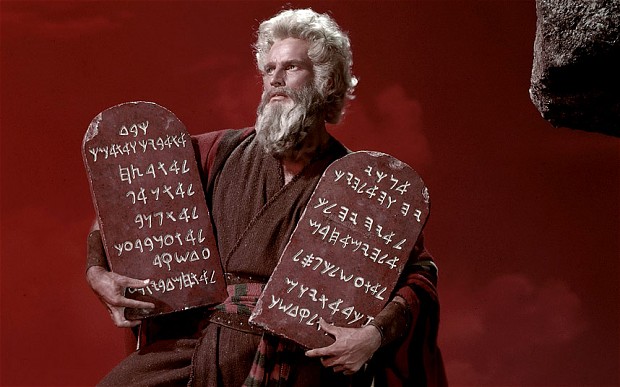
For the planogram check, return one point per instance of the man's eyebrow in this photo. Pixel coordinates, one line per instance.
(296, 62)
(286, 62)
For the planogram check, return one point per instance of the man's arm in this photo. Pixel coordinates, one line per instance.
(355, 346)
(109, 286)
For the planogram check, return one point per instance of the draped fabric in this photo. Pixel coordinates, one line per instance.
(415, 359)
(272, 363)
(254, 213)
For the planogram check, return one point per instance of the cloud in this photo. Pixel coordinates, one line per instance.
(534, 314)
(58, 20)
(519, 318)
(235, 103)
(76, 27)
(390, 123)
(231, 93)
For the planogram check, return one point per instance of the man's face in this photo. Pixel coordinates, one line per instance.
(287, 65)
(290, 105)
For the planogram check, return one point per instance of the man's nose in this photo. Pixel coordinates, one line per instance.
(277, 78)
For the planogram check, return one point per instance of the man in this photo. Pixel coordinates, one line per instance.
(257, 182)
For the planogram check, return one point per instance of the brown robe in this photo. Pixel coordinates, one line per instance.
(254, 214)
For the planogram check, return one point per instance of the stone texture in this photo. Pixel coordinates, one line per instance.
(575, 76)
(348, 249)
(151, 208)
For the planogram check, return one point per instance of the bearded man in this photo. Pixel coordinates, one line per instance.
(305, 60)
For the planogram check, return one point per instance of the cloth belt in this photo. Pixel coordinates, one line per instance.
(270, 366)
(236, 309)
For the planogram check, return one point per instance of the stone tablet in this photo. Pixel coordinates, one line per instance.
(151, 208)
(348, 249)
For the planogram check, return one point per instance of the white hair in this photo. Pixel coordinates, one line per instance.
(281, 127)
(329, 51)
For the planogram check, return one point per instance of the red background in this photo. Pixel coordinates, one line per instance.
(524, 221)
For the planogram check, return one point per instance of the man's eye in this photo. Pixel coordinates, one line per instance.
(269, 70)
(291, 67)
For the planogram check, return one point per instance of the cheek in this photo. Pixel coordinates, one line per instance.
(300, 80)
(266, 83)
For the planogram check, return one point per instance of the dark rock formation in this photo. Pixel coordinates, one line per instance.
(576, 72)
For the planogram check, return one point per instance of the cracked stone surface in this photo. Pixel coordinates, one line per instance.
(575, 75)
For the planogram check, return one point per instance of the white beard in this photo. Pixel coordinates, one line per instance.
(282, 126)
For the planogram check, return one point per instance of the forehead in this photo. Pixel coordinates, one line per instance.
(289, 49)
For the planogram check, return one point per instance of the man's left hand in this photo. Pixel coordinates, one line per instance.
(351, 350)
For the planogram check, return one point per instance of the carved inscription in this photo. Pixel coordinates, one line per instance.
(151, 207)
(348, 249)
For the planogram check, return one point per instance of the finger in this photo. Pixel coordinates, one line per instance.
(347, 369)
(344, 368)
(131, 282)
(129, 323)
(136, 304)
(317, 352)
(329, 328)
(324, 357)
(120, 301)
(118, 317)
(325, 353)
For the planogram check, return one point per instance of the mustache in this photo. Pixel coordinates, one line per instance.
(282, 90)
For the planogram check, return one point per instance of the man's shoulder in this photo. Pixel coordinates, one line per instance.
(213, 147)
(209, 139)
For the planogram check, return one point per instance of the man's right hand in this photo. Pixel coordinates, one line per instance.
(110, 288)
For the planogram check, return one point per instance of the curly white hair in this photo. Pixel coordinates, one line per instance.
(329, 51)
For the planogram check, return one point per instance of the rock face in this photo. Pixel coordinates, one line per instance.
(576, 71)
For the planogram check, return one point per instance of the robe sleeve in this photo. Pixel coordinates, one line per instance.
(206, 147)
(419, 275)
(409, 354)
(397, 317)
(95, 253)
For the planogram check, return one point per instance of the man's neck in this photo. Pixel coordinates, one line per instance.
(313, 144)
